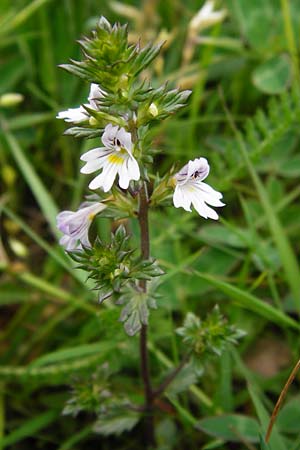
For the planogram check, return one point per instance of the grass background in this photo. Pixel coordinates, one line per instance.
(244, 117)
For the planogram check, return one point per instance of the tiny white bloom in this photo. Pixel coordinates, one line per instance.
(191, 190)
(207, 17)
(114, 158)
(77, 115)
(75, 225)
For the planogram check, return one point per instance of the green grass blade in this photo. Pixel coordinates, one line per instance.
(276, 441)
(288, 258)
(76, 438)
(57, 292)
(53, 374)
(29, 120)
(73, 353)
(284, 247)
(22, 16)
(57, 256)
(38, 189)
(30, 427)
(250, 302)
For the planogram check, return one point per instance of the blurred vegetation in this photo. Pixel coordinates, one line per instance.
(244, 117)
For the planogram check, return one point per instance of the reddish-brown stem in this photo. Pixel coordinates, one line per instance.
(281, 399)
(145, 372)
(168, 380)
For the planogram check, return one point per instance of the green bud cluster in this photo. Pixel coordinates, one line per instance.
(92, 394)
(109, 60)
(207, 337)
(115, 65)
(113, 265)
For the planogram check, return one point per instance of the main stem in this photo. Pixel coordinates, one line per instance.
(145, 253)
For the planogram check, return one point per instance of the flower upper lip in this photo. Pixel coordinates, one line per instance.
(198, 169)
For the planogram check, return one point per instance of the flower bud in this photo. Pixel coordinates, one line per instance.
(9, 175)
(153, 111)
(18, 248)
(93, 121)
(11, 99)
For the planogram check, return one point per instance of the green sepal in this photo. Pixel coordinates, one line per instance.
(83, 132)
(112, 266)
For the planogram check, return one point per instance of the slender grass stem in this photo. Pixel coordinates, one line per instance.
(2, 414)
(291, 43)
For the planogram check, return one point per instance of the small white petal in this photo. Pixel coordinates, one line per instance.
(92, 166)
(106, 179)
(212, 197)
(180, 199)
(93, 154)
(133, 169)
(123, 175)
(202, 209)
(97, 182)
(109, 176)
(75, 115)
(207, 188)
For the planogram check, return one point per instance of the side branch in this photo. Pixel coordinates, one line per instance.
(168, 380)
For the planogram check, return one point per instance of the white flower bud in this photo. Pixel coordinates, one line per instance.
(153, 111)
(11, 99)
(206, 17)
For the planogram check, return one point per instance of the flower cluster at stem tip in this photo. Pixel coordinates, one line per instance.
(121, 159)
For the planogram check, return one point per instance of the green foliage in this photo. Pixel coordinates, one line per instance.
(136, 310)
(231, 427)
(265, 129)
(273, 76)
(92, 394)
(52, 330)
(88, 394)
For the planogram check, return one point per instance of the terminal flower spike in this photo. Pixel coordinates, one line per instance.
(114, 158)
(191, 190)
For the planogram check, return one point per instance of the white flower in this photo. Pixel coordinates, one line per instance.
(206, 16)
(191, 190)
(114, 158)
(75, 225)
(77, 115)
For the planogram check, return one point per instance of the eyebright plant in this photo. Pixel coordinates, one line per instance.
(120, 110)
